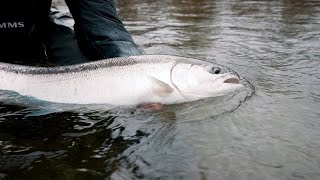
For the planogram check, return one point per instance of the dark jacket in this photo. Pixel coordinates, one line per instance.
(99, 30)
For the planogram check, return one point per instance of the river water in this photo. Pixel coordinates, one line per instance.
(269, 130)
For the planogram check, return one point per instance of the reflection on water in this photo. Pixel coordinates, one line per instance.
(273, 134)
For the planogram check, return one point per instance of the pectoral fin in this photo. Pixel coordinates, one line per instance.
(160, 88)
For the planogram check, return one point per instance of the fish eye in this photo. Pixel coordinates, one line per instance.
(215, 70)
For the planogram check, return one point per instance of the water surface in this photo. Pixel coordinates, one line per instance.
(269, 131)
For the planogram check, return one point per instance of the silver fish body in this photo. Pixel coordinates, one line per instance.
(119, 81)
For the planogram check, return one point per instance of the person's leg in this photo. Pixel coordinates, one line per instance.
(22, 29)
(99, 30)
(61, 44)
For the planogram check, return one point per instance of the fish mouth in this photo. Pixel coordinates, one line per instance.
(232, 80)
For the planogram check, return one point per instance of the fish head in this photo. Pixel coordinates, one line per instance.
(201, 80)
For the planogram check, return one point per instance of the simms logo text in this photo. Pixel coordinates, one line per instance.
(4, 25)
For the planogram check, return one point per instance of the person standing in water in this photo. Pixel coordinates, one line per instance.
(33, 30)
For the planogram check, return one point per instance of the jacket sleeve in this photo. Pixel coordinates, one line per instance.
(99, 30)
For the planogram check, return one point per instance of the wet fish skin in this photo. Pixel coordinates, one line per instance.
(119, 81)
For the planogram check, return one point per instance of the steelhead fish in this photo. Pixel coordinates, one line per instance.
(122, 81)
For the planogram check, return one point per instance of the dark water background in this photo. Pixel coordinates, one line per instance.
(272, 133)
